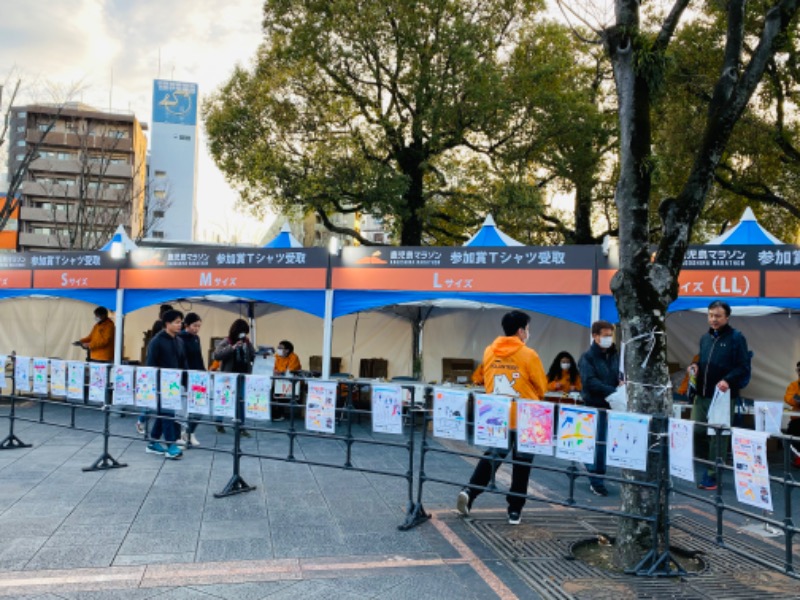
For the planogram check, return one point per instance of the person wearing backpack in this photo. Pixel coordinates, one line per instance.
(724, 365)
(236, 355)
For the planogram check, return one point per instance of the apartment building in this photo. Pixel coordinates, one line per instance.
(88, 174)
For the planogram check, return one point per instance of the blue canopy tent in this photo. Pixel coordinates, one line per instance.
(490, 236)
(284, 239)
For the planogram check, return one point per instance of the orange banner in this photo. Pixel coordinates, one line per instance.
(782, 284)
(564, 281)
(743, 284)
(15, 279)
(75, 279)
(215, 279)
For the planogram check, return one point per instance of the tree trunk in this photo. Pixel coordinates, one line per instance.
(583, 213)
(411, 234)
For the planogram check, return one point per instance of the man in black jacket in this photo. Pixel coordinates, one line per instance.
(723, 366)
(599, 369)
(166, 351)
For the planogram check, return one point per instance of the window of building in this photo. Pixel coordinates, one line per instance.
(159, 235)
(379, 238)
(160, 194)
(22, 114)
(43, 127)
(20, 128)
(20, 142)
(158, 214)
(20, 157)
(161, 173)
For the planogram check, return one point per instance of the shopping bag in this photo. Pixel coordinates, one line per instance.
(618, 399)
(719, 413)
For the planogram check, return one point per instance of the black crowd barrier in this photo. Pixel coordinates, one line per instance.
(416, 444)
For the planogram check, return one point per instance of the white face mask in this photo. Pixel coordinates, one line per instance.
(282, 353)
(565, 366)
(97, 319)
(605, 342)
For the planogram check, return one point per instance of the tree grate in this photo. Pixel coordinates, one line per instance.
(538, 552)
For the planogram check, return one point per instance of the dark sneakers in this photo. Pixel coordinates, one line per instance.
(598, 489)
(514, 517)
(464, 502)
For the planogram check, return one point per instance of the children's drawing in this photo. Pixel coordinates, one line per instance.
(681, 449)
(123, 376)
(750, 468)
(577, 433)
(98, 381)
(22, 374)
(225, 394)
(387, 409)
(199, 389)
(492, 415)
(256, 397)
(627, 441)
(146, 378)
(170, 387)
(40, 376)
(535, 427)
(321, 406)
(76, 379)
(450, 413)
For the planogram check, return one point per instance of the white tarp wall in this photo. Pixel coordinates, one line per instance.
(774, 340)
(465, 333)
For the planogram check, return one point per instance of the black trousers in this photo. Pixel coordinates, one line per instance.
(520, 473)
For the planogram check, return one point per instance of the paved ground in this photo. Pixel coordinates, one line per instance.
(155, 530)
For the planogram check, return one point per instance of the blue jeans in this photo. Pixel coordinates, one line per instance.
(598, 467)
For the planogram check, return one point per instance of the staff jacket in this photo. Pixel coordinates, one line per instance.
(101, 341)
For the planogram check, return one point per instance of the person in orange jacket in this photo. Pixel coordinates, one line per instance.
(100, 341)
(792, 400)
(509, 368)
(563, 374)
(286, 359)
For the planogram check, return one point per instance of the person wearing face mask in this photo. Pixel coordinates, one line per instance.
(286, 359)
(509, 368)
(100, 341)
(194, 362)
(563, 374)
(599, 370)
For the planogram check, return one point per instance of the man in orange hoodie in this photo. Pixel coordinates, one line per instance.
(100, 341)
(512, 369)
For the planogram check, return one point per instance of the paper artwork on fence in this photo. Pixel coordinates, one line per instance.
(768, 416)
(123, 384)
(76, 378)
(3, 359)
(58, 378)
(170, 387)
(627, 441)
(40, 376)
(750, 468)
(492, 414)
(387, 409)
(681, 449)
(256, 397)
(146, 388)
(22, 374)
(535, 422)
(199, 388)
(321, 406)
(577, 433)
(98, 381)
(225, 394)
(450, 413)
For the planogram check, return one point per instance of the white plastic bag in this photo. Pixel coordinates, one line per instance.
(719, 413)
(618, 399)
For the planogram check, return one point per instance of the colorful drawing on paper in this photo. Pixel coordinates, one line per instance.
(450, 413)
(256, 397)
(321, 406)
(199, 389)
(98, 381)
(76, 379)
(170, 387)
(58, 378)
(681, 449)
(627, 441)
(577, 433)
(750, 468)
(22, 374)
(225, 394)
(387, 409)
(535, 421)
(492, 414)
(40, 376)
(146, 388)
(123, 376)
(3, 360)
